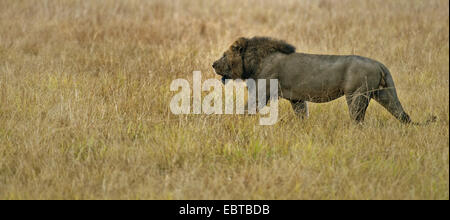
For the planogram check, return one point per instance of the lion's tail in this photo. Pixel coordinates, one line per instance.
(387, 97)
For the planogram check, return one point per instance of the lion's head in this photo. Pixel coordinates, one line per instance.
(244, 56)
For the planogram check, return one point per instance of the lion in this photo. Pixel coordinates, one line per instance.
(313, 78)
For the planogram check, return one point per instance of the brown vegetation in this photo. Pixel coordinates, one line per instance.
(84, 102)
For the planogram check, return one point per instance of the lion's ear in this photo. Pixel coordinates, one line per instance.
(237, 50)
(239, 45)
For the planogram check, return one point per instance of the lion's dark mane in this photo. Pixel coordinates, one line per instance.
(258, 48)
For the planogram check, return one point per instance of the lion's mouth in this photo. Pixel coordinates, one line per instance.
(224, 78)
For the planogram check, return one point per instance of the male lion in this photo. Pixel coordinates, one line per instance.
(312, 78)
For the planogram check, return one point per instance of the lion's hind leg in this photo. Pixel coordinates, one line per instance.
(357, 105)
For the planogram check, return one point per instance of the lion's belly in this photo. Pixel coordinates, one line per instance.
(318, 96)
(322, 89)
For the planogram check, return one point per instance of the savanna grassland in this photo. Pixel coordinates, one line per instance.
(84, 102)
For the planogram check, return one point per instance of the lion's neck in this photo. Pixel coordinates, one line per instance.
(258, 68)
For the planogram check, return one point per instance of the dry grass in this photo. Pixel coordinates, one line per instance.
(84, 102)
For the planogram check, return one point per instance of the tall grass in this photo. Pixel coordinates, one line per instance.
(84, 102)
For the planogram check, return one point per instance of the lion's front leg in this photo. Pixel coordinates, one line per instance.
(357, 106)
(258, 96)
(300, 108)
(254, 106)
